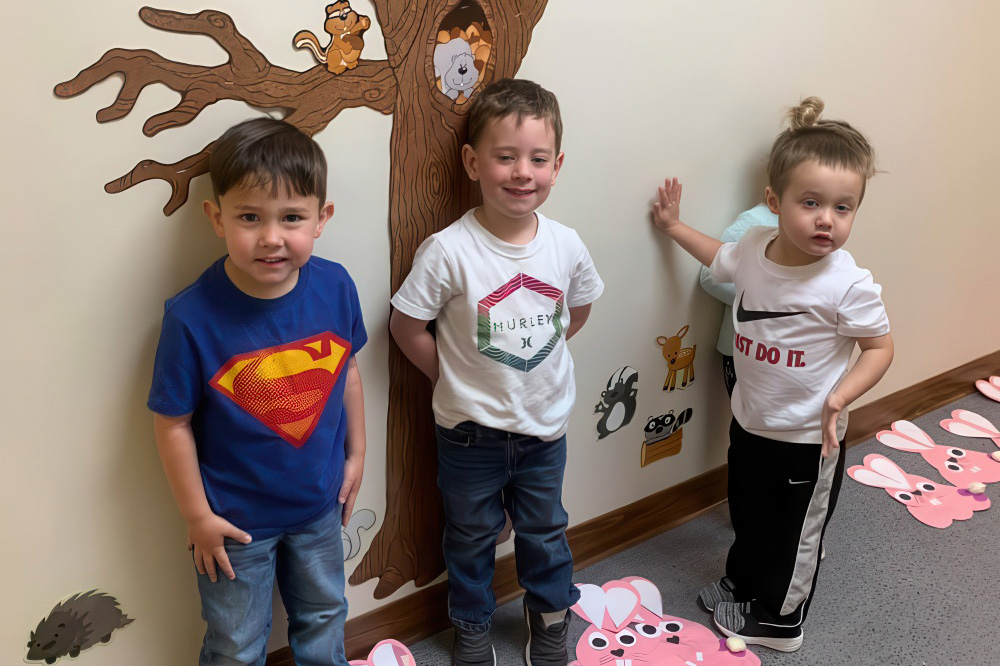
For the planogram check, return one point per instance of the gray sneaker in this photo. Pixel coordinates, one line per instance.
(713, 593)
(546, 638)
(736, 619)
(473, 648)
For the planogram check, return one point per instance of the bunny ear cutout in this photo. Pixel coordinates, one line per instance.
(990, 388)
(906, 436)
(389, 652)
(610, 607)
(649, 594)
(622, 603)
(591, 604)
(969, 424)
(879, 472)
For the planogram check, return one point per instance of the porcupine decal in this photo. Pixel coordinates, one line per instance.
(73, 625)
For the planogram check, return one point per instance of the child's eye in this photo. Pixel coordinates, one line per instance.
(293, 218)
(539, 160)
(810, 203)
(249, 217)
(843, 208)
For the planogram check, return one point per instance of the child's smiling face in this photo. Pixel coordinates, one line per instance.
(516, 167)
(815, 212)
(269, 236)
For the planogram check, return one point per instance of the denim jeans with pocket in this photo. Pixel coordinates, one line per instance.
(482, 471)
(308, 564)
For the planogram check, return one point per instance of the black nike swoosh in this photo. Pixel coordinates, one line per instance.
(755, 315)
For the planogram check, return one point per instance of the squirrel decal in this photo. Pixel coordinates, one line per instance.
(345, 27)
(362, 519)
(76, 624)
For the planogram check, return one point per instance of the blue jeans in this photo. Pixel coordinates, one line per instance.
(481, 471)
(309, 566)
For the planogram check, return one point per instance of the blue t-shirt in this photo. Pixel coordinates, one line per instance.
(264, 381)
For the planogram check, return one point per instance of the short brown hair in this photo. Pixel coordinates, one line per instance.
(833, 143)
(513, 97)
(266, 153)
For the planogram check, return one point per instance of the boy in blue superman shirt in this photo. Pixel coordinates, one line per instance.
(257, 402)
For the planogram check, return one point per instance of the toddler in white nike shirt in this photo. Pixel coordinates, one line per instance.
(801, 304)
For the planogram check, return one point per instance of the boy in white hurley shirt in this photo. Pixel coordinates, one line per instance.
(508, 287)
(801, 305)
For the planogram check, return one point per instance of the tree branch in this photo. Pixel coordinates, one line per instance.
(311, 98)
(178, 174)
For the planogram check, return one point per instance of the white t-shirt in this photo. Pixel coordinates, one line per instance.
(502, 313)
(794, 334)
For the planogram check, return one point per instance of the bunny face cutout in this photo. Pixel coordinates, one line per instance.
(958, 466)
(628, 628)
(934, 504)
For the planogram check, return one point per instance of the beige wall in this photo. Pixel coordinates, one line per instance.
(648, 89)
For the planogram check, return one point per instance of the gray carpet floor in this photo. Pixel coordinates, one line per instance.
(891, 591)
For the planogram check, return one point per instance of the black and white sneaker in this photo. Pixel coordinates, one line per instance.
(735, 619)
(546, 638)
(714, 593)
(473, 648)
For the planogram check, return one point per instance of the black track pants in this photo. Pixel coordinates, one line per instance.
(781, 497)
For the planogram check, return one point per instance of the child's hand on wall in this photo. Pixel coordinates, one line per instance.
(667, 207)
(206, 537)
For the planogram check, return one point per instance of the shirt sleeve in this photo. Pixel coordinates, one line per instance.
(861, 314)
(429, 285)
(722, 291)
(177, 384)
(759, 215)
(723, 267)
(585, 285)
(359, 336)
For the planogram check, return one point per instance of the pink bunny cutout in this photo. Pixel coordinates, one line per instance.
(958, 466)
(628, 628)
(934, 504)
(389, 652)
(990, 387)
(969, 424)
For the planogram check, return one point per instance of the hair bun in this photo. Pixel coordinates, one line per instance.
(806, 114)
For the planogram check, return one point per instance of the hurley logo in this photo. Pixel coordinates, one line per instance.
(755, 315)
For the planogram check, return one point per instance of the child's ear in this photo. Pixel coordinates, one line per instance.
(214, 214)
(558, 166)
(771, 199)
(470, 161)
(325, 213)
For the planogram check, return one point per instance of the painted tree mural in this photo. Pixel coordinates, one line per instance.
(427, 187)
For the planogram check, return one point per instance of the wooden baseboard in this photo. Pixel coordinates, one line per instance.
(917, 400)
(424, 613)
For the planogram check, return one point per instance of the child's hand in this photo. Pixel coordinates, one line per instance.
(667, 207)
(354, 469)
(832, 407)
(205, 538)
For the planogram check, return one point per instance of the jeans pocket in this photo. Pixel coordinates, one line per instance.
(464, 434)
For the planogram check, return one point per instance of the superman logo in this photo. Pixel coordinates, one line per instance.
(285, 387)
